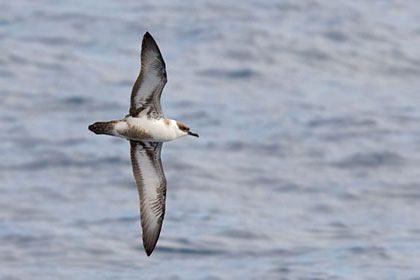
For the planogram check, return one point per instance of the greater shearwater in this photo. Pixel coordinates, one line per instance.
(146, 128)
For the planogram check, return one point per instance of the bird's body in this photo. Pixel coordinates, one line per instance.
(147, 128)
(141, 129)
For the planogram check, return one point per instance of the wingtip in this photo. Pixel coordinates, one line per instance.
(149, 250)
(147, 35)
(149, 244)
(149, 42)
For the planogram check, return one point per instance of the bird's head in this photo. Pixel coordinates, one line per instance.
(183, 130)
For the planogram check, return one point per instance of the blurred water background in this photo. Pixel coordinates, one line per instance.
(308, 161)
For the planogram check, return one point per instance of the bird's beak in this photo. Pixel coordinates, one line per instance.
(193, 134)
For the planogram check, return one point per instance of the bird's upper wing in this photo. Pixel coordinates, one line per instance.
(151, 183)
(145, 96)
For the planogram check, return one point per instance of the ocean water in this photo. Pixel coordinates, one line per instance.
(307, 165)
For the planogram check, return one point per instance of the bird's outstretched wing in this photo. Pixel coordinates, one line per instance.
(151, 183)
(145, 96)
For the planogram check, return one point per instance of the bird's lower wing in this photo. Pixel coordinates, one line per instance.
(151, 184)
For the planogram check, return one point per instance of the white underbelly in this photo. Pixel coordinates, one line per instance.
(144, 129)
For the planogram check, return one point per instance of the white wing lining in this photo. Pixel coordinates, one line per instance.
(151, 184)
(145, 96)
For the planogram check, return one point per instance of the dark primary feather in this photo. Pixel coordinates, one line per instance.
(145, 96)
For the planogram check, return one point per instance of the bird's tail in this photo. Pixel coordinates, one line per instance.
(103, 127)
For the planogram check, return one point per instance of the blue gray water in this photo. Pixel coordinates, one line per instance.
(307, 165)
